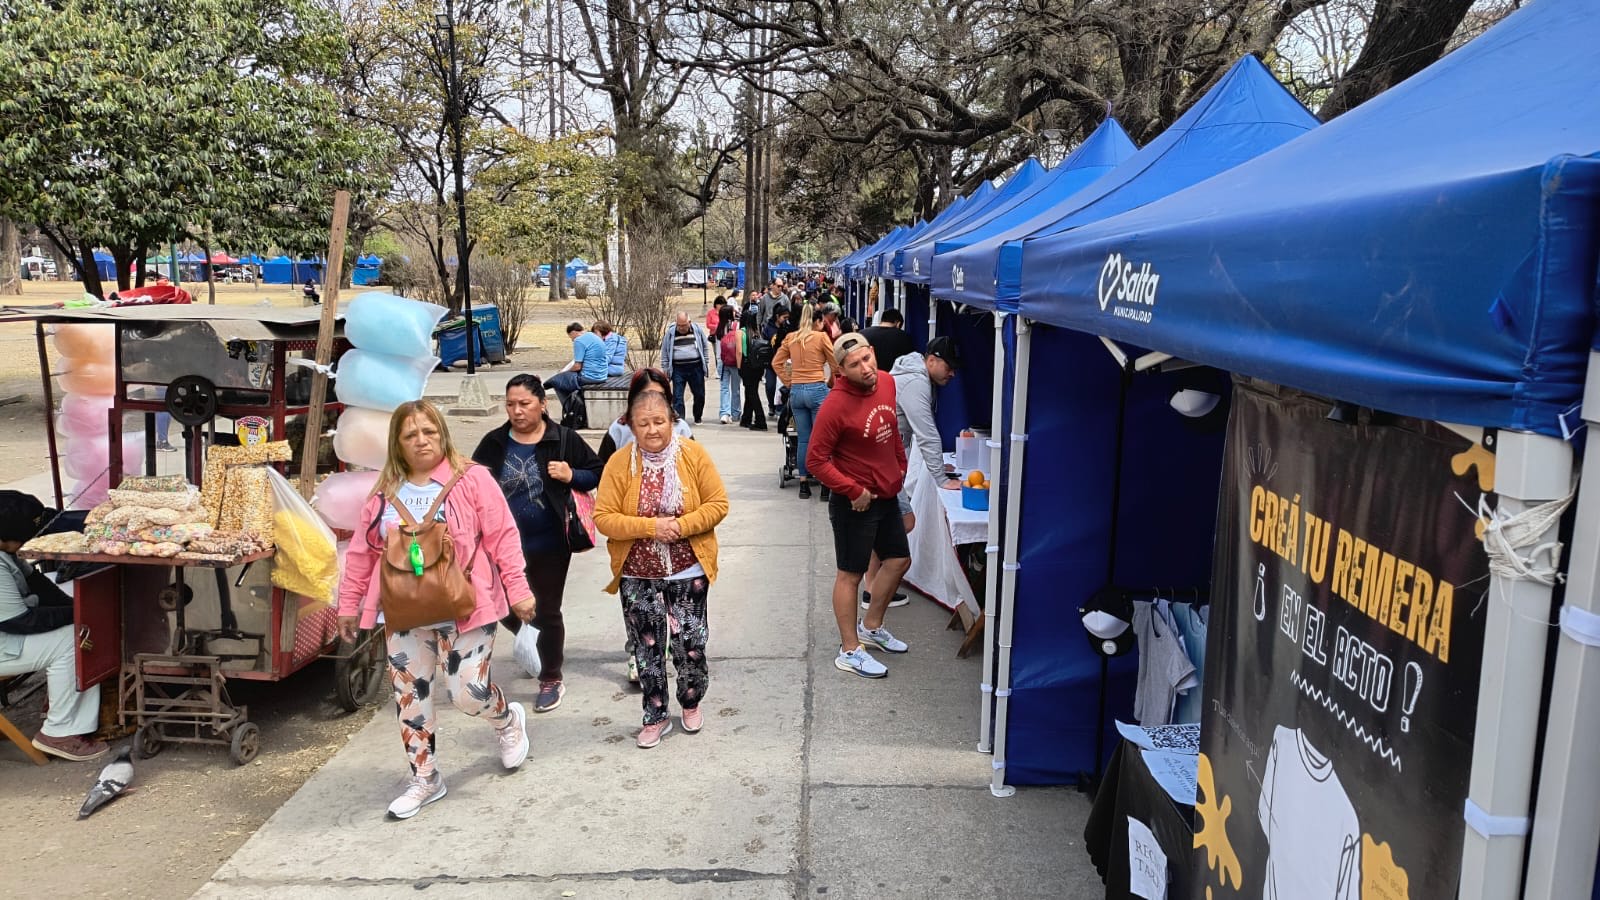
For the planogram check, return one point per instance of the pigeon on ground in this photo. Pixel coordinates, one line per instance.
(113, 781)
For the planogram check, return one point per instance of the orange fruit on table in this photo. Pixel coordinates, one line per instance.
(974, 478)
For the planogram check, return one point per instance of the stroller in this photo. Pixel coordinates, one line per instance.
(790, 470)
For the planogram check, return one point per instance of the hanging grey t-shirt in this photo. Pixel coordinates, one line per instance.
(1164, 666)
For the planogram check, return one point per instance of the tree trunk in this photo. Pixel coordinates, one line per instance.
(211, 272)
(140, 253)
(10, 259)
(122, 258)
(88, 272)
(1405, 37)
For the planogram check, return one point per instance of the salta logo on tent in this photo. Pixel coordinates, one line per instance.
(916, 265)
(1132, 285)
(958, 278)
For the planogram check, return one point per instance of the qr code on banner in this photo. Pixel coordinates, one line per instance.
(1176, 738)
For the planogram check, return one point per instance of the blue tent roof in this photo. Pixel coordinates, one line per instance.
(884, 259)
(722, 264)
(369, 260)
(102, 256)
(912, 262)
(1246, 114)
(857, 265)
(784, 267)
(1103, 150)
(192, 258)
(1431, 253)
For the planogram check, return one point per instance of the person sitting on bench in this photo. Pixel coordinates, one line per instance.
(37, 634)
(590, 359)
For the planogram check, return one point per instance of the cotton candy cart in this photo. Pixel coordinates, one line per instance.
(175, 632)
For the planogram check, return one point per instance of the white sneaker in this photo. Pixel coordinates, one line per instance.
(726, 420)
(419, 793)
(514, 738)
(881, 638)
(861, 663)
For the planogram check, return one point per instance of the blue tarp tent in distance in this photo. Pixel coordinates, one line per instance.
(911, 263)
(1246, 114)
(1430, 253)
(1103, 150)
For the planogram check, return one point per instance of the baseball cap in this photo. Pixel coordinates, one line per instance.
(846, 344)
(945, 349)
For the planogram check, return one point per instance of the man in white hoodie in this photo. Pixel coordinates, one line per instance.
(915, 377)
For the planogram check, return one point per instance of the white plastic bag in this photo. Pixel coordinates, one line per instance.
(525, 649)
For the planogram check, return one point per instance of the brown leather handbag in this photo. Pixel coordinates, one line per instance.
(420, 581)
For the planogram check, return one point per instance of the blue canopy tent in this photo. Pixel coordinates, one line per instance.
(923, 319)
(283, 270)
(784, 268)
(857, 274)
(1105, 421)
(1104, 149)
(366, 271)
(1431, 253)
(106, 265)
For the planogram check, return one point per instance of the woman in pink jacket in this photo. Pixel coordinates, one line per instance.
(421, 462)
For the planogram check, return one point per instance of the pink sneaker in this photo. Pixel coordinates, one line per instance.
(514, 738)
(651, 735)
(693, 720)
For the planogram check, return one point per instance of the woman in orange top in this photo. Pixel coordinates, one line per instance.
(804, 362)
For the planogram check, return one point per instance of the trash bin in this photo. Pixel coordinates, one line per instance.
(494, 341)
(453, 343)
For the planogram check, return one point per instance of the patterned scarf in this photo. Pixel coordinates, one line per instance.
(662, 463)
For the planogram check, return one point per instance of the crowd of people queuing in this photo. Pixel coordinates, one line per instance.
(534, 492)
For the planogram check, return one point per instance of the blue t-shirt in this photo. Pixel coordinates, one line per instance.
(522, 478)
(591, 351)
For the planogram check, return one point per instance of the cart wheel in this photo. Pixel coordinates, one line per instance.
(783, 478)
(246, 743)
(147, 741)
(359, 670)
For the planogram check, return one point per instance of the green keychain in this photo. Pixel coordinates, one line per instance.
(416, 558)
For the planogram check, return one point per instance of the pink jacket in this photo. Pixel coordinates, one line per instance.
(486, 540)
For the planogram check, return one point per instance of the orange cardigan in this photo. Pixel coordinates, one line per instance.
(808, 352)
(616, 508)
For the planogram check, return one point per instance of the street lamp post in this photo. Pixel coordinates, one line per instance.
(447, 23)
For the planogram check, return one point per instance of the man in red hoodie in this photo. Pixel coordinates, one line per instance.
(856, 453)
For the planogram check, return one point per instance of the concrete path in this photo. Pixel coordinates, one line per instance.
(805, 782)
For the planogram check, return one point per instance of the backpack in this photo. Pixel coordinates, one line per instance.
(420, 581)
(758, 358)
(730, 348)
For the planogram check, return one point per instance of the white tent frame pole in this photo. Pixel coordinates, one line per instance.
(1008, 583)
(991, 549)
(933, 316)
(1566, 828)
(1530, 469)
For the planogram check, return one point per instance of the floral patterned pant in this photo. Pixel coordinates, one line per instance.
(661, 615)
(415, 658)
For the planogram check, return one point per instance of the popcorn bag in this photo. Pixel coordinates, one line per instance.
(307, 561)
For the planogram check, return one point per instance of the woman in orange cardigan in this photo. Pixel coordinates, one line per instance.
(658, 505)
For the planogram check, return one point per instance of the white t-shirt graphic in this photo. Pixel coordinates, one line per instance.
(1313, 830)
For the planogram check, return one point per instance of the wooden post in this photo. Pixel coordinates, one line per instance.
(333, 274)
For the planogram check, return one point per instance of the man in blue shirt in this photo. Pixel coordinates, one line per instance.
(589, 361)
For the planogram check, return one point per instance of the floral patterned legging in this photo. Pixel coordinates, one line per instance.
(415, 657)
(663, 614)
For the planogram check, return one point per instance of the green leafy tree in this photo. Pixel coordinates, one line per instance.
(546, 194)
(126, 124)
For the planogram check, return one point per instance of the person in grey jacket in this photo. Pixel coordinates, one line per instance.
(686, 357)
(37, 634)
(915, 377)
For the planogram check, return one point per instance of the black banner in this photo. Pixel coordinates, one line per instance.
(1342, 665)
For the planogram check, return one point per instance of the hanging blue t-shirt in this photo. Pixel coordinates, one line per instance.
(591, 351)
(522, 477)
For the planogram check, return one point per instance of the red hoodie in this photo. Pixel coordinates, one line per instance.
(855, 442)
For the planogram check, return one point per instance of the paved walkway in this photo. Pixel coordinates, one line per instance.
(806, 781)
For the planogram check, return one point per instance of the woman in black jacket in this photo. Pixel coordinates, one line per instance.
(538, 464)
